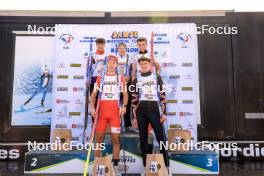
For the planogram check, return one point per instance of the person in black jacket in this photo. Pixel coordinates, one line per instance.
(147, 92)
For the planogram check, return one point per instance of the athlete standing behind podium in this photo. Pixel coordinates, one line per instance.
(125, 68)
(98, 60)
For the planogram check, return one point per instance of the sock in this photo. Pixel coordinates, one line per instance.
(115, 161)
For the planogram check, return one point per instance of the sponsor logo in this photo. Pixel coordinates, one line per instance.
(171, 101)
(169, 64)
(161, 54)
(187, 101)
(173, 88)
(124, 35)
(184, 39)
(184, 114)
(75, 138)
(9, 154)
(78, 101)
(60, 113)
(62, 88)
(187, 64)
(187, 88)
(188, 76)
(62, 76)
(74, 113)
(78, 89)
(66, 39)
(174, 76)
(75, 65)
(60, 126)
(78, 77)
(246, 150)
(77, 126)
(171, 113)
(62, 101)
(85, 54)
(61, 65)
(174, 125)
(128, 159)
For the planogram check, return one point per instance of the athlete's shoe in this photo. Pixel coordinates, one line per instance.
(117, 173)
(42, 103)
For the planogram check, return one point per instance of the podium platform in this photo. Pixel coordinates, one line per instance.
(57, 162)
(194, 162)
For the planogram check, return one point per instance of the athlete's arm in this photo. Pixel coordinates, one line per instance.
(162, 98)
(125, 100)
(157, 66)
(93, 100)
(134, 101)
(134, 71)
(93, 96)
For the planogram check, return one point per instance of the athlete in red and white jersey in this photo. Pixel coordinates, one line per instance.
(98, 59)
(109, 111)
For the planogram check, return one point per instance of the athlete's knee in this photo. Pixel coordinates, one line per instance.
(99, 138)
(115, 139)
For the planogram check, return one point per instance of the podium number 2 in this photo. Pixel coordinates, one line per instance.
(34, 162)
(209, 162)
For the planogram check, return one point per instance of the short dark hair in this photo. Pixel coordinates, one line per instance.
(100, 40)
(122, 44)
(143, 59)
(141, 39)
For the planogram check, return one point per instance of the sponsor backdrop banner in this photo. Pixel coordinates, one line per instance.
(175, 48)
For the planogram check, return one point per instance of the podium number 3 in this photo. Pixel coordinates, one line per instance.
(34, 162)
(209, 162)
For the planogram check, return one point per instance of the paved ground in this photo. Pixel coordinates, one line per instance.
(242, 168)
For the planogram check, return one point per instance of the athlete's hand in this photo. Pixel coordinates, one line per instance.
(163, 119)
(134, 123)
(93, 112)
(123, 111)
(126, 79)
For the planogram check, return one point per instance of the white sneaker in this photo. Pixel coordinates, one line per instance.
(117, 173)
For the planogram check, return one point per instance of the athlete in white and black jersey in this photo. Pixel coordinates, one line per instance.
(143, 52)
(125, 67)
(146, 95)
